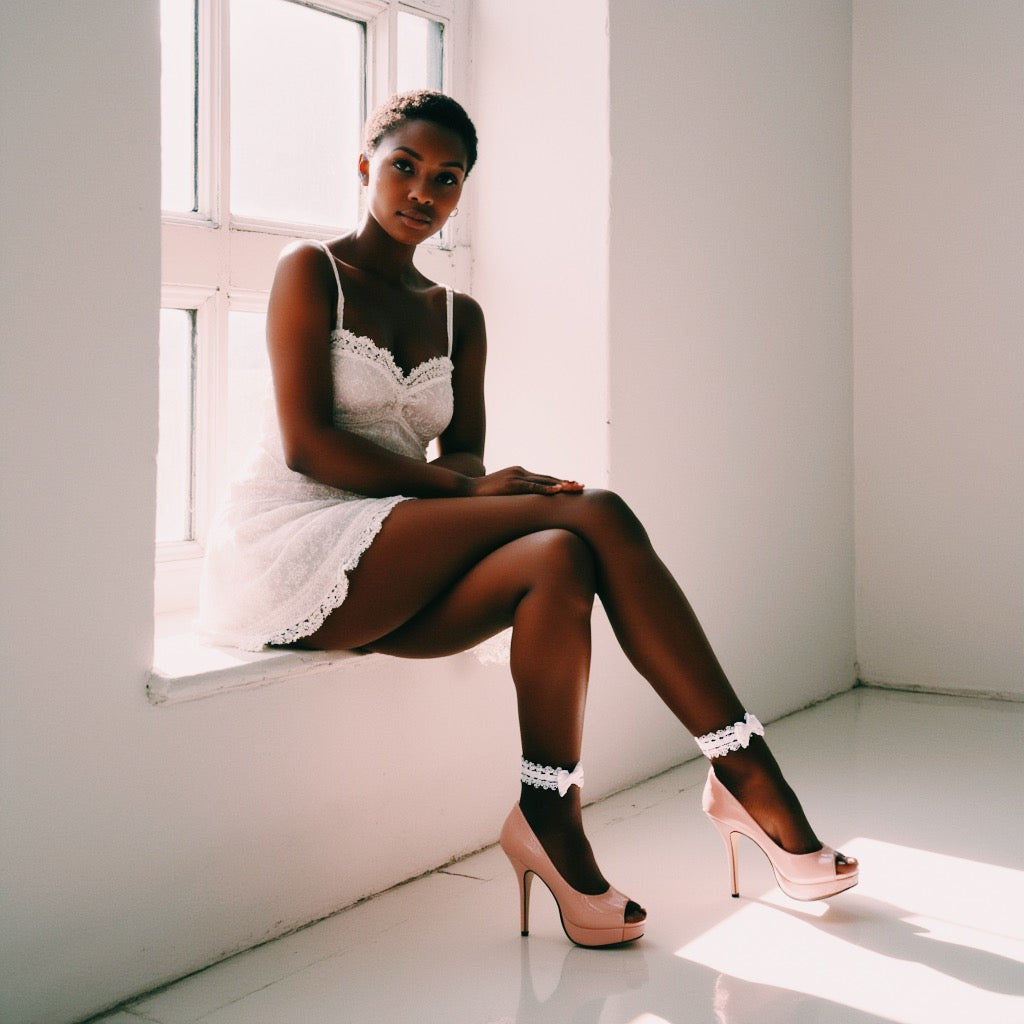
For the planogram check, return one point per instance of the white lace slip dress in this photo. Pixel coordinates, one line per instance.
(281, 546)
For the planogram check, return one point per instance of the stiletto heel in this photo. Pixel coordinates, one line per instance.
(525, 878)
(729, 838)
(588, 920)
(801, 876)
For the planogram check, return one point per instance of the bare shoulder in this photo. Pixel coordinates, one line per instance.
(470, 334)
(302, 254)
(469, 317)
(304, 294)
(303, 265)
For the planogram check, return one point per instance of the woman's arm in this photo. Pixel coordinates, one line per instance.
(299, 324)
(462, 443)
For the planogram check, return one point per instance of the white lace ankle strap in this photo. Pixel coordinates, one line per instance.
(546, 777)
(732, 737)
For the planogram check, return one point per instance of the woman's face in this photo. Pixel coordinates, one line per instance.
(414, 179)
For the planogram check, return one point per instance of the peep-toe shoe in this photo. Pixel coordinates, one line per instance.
(588, 920)
(801, 876)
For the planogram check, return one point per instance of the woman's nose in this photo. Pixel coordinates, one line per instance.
(419, 193)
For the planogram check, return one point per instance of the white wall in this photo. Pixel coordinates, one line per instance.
(540, 271)
(540, 231)
(731, 365)
(938, 185)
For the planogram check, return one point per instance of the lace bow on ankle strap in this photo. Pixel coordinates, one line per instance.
(732, 737)
(546, 777)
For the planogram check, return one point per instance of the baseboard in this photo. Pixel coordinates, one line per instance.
(942, 691)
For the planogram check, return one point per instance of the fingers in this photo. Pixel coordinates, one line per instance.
(539, 483)
(516, 480)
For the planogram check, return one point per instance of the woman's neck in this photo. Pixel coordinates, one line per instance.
(375, 252)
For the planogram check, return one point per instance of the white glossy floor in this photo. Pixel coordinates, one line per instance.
(925, 790)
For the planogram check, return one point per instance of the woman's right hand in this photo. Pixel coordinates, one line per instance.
(516, 480)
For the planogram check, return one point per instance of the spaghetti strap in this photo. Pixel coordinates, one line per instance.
(450, 302)
(337, 279)
(448, 294)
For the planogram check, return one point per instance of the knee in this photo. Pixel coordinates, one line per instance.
(607, 510)
(566, 561)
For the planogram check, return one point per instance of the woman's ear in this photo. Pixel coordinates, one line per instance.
(364, 168)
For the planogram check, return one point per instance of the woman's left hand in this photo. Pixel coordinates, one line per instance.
(516, 480)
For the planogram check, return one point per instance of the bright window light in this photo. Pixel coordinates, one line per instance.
(420, 52)
(296, 101)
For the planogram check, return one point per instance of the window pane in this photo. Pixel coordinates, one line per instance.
(178, 104)
(248, 385)
(174, 454)
(296, 111)
(420, 53)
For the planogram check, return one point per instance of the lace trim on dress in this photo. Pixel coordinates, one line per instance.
(434, 368)
(495, 651)
(336, 595)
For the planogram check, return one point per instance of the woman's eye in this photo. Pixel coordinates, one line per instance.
(402, 165)
(447, 179)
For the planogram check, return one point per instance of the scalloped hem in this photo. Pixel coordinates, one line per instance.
(335, 597)
(494, 651)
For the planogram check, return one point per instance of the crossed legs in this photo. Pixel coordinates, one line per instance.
(470, 567)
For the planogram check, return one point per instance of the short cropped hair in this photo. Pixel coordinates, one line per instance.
(421, 105)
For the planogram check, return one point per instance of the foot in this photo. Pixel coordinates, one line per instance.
(755, 779)
(558, 823)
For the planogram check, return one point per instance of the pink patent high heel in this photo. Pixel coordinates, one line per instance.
(801, 876)
(587, 920)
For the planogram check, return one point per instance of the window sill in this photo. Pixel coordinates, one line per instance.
(186, 669)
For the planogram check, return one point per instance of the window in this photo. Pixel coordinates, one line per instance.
(262, 109)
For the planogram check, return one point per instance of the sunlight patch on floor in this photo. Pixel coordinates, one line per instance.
(924, 937)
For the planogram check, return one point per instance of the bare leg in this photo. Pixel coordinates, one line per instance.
(433, 545)
(542, 585)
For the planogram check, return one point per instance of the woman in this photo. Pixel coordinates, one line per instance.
(371, 361)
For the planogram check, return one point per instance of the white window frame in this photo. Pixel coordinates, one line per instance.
(214, 262)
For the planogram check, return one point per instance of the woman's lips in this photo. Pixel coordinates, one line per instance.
(416, 217)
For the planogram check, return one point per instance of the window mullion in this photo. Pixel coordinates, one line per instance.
(381, 73)
(208, 115)
(212, 325)
(211, 406)
(223, 106)
(391, 64)
(191, 525)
